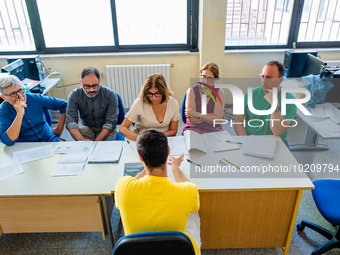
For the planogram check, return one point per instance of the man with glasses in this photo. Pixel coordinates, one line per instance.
(97, 106)
(22, 116)
(272, 76)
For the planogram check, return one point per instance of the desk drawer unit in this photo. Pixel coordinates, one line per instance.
(51, 214)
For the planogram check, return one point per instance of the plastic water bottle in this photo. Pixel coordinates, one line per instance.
(27, 89)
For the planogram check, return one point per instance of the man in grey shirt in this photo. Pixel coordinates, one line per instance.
(97, 106)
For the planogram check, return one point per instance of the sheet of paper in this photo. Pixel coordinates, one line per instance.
(33, 154)
(177, 145)
(73, 158)
(261, 146)
(10, 169)
(328, 127)
(323, 110)
(130, 148)
(68, 169)
(134, 168)
(72, 147)
(336, 118)
(221, 141)
(194, 140)
(106, 152)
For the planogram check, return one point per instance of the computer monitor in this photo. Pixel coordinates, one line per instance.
(294, 61)
(16, 68)
(32, 66)
(313, 65)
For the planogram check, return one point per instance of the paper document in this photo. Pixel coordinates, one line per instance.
(33, 154)
(70, 164)
(106, 152)
(72, 147)
(194, 140)
(221, 141)
(328, 127)
(65, 170)
(260, 146)
(9, 170)
(134, 168)
(177, 145)
(336, 118)
(130, 148)
(323, 110)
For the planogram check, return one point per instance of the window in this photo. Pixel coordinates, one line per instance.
(320, 21)
(282, 23)
(15, 28)
(72, 23)
(63, 26)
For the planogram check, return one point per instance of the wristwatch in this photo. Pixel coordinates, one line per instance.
(199, 116)
(278, 108)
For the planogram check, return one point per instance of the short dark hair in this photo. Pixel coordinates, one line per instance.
(152, 146)
(279, 66)
(89, 70)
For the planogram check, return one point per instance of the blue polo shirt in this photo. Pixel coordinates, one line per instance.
(34, 127)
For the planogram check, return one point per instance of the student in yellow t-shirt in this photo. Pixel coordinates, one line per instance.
(151, 201)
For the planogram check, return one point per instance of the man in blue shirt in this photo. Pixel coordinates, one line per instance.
(22, 116)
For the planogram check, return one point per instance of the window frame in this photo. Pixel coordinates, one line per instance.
(292, 35)
(39, 41)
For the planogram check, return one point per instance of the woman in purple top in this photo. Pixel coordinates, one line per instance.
(196, 120)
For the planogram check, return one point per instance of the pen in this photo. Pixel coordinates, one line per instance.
(233, 142)
(193, 163)
(231, 163)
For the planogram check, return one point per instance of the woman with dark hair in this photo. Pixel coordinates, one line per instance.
(204, 92)
(154, 108)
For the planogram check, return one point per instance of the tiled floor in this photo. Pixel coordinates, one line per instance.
(92, 243)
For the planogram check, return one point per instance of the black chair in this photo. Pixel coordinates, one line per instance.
(154, 243)
(327, 198)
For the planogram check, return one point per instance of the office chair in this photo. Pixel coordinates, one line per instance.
(327, 200)
(184, 119)
(154, 243)
(48, 117)
(121, 116)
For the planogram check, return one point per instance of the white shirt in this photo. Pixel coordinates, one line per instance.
(142, 114)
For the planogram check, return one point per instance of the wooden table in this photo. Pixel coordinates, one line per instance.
(246, 212)
(36, 202)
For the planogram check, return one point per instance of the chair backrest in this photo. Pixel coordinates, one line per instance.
(154, 243)
(121, 114)
(184, 119)
(48, 117)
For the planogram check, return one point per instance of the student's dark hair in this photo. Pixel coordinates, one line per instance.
(89, 70)
(279, 66)
(152, 145)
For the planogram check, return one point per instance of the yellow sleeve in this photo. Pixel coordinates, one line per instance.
(120, 189)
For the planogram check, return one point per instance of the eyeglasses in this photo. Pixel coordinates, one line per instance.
(14, 94)
(157, 94)
(209, 79)
(94, 86)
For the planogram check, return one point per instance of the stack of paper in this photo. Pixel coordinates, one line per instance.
(261, 146)
(106, 152)
(70, 164)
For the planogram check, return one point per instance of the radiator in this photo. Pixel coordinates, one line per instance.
(127, 80)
